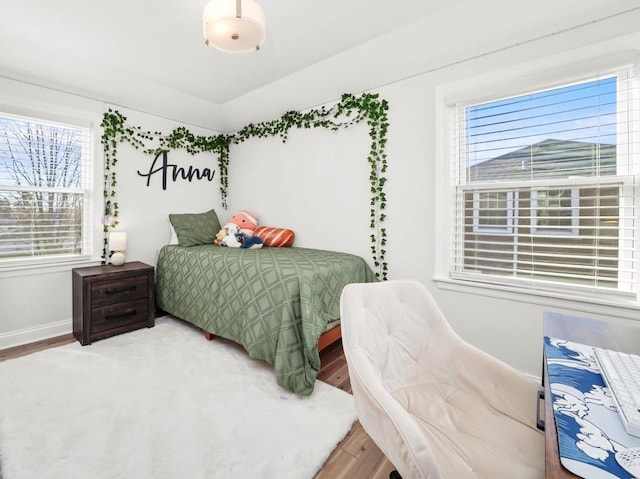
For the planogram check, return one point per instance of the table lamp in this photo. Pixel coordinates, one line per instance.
(117, 244)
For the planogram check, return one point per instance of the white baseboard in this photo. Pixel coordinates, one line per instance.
(38, 333)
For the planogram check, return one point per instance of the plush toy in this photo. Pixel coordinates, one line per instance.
(228, 229)
(221, 235)
(235, 239)
(231, 239)
(249, 242)
(246, 221)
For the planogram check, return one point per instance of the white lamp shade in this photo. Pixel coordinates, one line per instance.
(233, 25)
(117, 241)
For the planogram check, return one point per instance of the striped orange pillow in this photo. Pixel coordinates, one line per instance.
(277, 237)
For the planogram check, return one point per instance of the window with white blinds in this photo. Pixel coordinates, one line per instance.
(545, 192)
(45, 178)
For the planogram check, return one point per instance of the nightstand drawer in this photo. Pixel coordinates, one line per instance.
(119, 290)
(110, 317)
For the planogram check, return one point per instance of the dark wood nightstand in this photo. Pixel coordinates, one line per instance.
(109, 300)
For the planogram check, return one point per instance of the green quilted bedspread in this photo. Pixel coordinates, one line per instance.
(275, 302)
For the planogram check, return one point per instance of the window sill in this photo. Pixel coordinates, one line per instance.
(595, 303)
(23, 268)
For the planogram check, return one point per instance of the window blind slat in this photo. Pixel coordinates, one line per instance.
(45, 180)
(546, 186)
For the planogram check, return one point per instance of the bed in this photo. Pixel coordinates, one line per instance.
(275, 302)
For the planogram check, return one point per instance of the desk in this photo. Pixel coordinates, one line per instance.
(586, 331)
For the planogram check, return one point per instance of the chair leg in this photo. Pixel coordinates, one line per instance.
(394, 475)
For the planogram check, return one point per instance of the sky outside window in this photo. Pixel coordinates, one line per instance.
(584, 112)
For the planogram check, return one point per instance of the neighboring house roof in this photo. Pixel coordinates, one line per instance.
(548, 159)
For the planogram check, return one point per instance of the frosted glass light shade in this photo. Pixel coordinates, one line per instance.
(117, 244)
(233, 25)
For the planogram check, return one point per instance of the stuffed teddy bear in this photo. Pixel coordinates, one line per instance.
(220, 236)
(235, 239)
(231, 240)
(246, 221)
(227, 230)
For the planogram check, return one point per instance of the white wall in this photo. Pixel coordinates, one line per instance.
(317, 183)
(507, 326)
(144, 209)
(36, 303)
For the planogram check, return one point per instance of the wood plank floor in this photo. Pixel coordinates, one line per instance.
(356, 457)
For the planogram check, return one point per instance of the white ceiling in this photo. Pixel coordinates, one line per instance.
(119, 50)
(85, 44)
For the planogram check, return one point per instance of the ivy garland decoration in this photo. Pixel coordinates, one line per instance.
(350, 110)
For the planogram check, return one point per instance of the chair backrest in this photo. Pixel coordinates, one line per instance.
(436, 406)
(385, 331)
(392, 323)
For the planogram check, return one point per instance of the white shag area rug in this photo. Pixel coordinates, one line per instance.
(161, 403)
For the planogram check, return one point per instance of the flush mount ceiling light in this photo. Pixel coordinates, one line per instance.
(233, 25)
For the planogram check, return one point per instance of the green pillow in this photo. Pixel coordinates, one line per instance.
(195, 228)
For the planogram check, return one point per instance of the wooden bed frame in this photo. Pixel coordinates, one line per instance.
(325, 340)
(329, 337)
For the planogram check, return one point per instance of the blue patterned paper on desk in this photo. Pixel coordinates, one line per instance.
(589, 429)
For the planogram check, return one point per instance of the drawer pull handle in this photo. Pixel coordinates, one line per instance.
(119, 290)
(128, 312)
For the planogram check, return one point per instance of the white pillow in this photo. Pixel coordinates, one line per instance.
(174, 236)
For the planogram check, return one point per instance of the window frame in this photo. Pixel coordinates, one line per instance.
(574, 217)
(511, 202)
(486, 88)
(88, 189)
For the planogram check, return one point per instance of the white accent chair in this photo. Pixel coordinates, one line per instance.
(437, 407)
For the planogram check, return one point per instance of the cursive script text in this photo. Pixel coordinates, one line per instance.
(175, 172)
